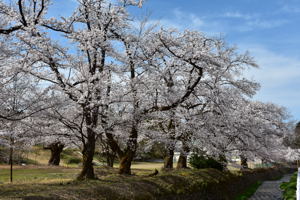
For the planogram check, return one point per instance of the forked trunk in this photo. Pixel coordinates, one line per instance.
(88, 152)
(168, 160)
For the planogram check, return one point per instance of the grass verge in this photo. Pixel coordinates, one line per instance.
(249, 192)
(289, 188)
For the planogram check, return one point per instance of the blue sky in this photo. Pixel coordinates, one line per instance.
(268, 29)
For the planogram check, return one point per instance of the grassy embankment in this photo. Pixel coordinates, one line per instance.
(249, 192)
(58, 183)
(289, 188)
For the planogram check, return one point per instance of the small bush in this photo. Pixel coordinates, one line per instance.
(74, 161)
(202, 162)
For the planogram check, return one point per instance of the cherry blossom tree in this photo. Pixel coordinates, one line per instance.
(121, 83)
(82, 77)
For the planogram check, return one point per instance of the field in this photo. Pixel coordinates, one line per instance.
(55, 183)
(46, 182)
(37, 174)
(46, 174)
(58, 183)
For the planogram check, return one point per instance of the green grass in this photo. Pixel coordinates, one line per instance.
(59, 183)
(44, 174)
(249, 192)
(289, 188)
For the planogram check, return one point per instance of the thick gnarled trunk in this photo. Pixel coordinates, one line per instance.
(56, 149)
(127, 156)
(89, 145)
(88, 152)
(125, 163)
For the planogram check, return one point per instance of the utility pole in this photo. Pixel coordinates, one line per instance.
(11, 158)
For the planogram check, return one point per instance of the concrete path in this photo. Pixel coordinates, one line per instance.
(270, 190)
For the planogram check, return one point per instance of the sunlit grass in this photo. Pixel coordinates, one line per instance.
(32, 174)
(46, 174)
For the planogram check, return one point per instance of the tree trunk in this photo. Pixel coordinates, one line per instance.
(56, 149)
(127, 157)
(182, 161)
(244, 163)
(88, 152)
(125, 163)
(110, 158)
(223, 160)
(11, 161)
(168, 160)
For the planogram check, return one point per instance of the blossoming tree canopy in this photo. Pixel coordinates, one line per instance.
(126, 83)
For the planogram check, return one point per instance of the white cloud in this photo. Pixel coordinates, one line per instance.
(191, 18)
(252, 21)
(224, 22)
(239, 15)
(274, 69)
(292, 9)
(279, 76)
(179, 21)
(258, 23)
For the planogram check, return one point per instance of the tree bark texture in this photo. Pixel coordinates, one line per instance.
(168, 160)
(127, 156)
(182, 161)
(56, 149)
(88, 152)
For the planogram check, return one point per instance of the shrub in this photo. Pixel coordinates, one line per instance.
(74, 161)
(201, 162)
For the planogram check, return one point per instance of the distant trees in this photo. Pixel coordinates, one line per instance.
(20, 99)
(120, 84)
(294, 139)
